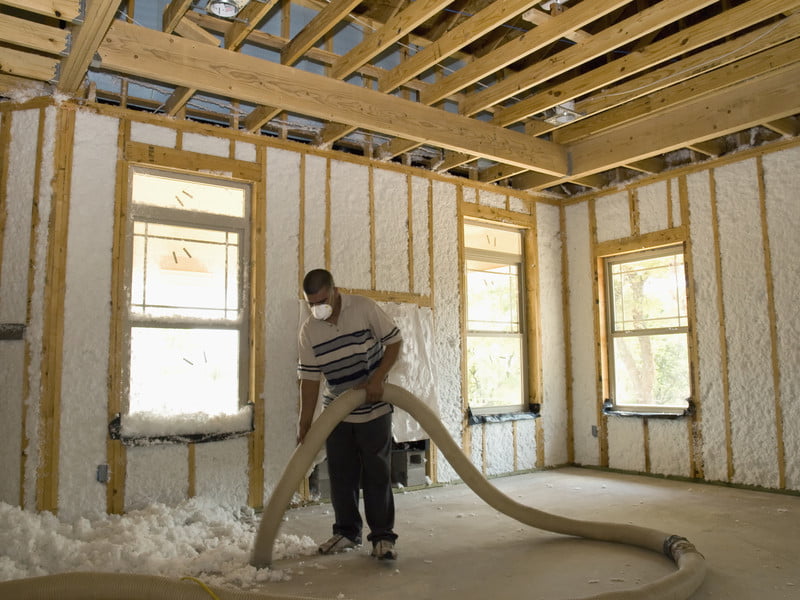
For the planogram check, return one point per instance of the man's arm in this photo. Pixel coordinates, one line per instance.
(374, 384)
(309, 392)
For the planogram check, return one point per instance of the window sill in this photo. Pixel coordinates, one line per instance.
(479, 418)
(117, 431)
(655, 412)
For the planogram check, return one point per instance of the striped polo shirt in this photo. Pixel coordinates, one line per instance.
(345, 354)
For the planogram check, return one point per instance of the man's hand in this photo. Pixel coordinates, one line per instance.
(374, 389)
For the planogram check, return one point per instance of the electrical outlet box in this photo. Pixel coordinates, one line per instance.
(102, 473)
(594, 430)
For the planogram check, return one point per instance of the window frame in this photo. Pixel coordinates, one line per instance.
(611, 406)
(477, 413)
(200, 220)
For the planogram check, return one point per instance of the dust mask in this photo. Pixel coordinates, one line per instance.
(322, 311)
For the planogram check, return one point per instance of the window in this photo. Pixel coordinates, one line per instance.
(496, 351)
(187, 299)
(648, 355)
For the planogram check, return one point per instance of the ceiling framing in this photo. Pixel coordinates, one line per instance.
(588, 94)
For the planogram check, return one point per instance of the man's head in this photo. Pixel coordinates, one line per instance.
(320, 293)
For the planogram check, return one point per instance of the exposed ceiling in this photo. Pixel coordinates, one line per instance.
(560, 95)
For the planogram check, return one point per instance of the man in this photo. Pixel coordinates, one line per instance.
(350, 343)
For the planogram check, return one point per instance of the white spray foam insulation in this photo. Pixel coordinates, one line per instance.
(669, 447)
(420, 228)
(625, 444)
(12, 361)
(350, 225)
(551, 323)
(87, 314)
(782, 180)
(390, 199)
(19, 201)
(492, 199)
(156, 474)
(653, 209)
(469, 194)
(526, 444)
(499, 448)
(221, 471)
(613, 216)
(280, 346)
(245, 151)
(314, 213)
(447, 314)
(518, 205)
(34, 332)
(476, 433)
(14, 292)
(710, 396)
(147, 133)
(206, 144)
(751, 389)
(677, 220)
(581, 310)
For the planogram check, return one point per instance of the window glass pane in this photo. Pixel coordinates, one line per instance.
(480, 237)
(185, 194)
(492, 296)
(494, 371)
(651, 370)
(177, 371)
(649, 293)
(184, 272)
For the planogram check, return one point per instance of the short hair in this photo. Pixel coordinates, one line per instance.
(316, 280)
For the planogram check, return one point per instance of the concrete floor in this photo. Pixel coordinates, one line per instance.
(452, 545)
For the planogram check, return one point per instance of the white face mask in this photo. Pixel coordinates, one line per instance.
(322, 311)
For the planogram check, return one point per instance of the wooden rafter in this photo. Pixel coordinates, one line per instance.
(668, 48)
(25, 64)
(65, 10)
(85, 40)
(246, 21)
(572, 19)
(173, 14)
(138, 51)
(607, 40)
(316, 29)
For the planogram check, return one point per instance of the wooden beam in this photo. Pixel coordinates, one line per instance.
(9, 85)
(498, 172)
(259, 116)
(454, 159)
(652, 165)
(751, 66)
(246, 22)
(761, 99)
(494, 15)
(572, 19)
(27, 64)
(173, 14)
(180, 96)
(65, 10)
(142, 52)
(85, 40)
(538, 181)
(328, 18)
(396, 147)
(788, 126)
(711, 148)
(29, 34)
(679, 43)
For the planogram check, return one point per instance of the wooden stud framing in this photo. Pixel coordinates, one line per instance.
(602, 423)
(646, 443)
(5, 145)
(723, 342)
(258, 277)
(466, 432)
(633, 201)
(433, 451)
(410, 220)
(371, 210)
(773, 326)
(568, 392)
(328, 214)
(695, 432)
(191, 467)
(53, 333)
(116, 453)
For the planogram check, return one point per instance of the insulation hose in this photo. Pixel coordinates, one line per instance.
(678, 585)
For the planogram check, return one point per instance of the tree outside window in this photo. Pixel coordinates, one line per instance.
(496, 350)
(647, 327)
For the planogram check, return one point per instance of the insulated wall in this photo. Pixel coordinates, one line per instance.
(387, 231)
(738, 221)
